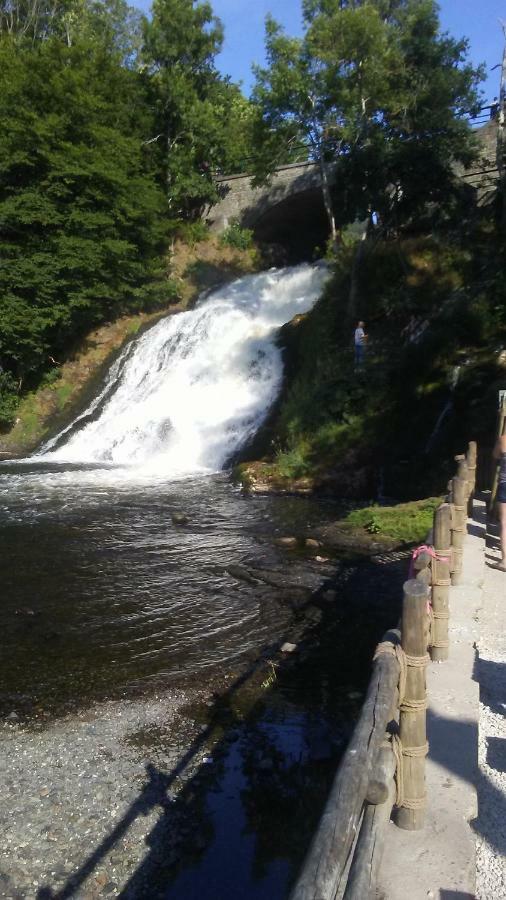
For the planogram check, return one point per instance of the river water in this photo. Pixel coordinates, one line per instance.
(103, 594)
(102, 591)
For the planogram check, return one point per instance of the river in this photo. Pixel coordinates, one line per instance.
(145, 700)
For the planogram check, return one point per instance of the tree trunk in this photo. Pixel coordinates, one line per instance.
(354, 276)
(327, 199)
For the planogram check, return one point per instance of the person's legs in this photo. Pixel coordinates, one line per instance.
(359, 354)
(502, 525)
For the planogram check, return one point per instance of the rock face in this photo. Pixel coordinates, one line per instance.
(350, 481)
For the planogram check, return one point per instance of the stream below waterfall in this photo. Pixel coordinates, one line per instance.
(155, 742)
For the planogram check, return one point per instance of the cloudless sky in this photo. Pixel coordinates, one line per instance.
(477, 20)
(244, 20)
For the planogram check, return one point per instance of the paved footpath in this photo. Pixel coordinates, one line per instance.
(461, 852)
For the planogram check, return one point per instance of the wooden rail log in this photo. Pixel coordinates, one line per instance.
(363, 875)
(326, 861)
(440, 643)
(458, 528)
(413, 709)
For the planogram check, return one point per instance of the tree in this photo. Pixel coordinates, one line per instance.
(380, 99)
(81, 214)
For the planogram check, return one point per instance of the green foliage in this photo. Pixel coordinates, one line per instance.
(378, 96)
(237, 237)
(110, 128)
(202, 122)
(406, 522)
(81, 227)
(433, 307)
(8, 400)
(192, 233)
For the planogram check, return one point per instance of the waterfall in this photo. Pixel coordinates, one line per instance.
(188, 393)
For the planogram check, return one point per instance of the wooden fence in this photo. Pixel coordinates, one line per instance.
(383, 768)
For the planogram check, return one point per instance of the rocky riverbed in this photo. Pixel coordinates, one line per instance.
(69, 787)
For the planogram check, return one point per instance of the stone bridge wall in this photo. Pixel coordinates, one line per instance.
(243, 202)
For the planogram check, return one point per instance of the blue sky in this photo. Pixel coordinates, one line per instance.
(477, 20)
(244, 30)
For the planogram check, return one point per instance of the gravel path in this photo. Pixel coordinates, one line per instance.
(491, 671)
(66, 787)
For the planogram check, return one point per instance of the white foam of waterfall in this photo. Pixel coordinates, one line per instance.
(187, 394)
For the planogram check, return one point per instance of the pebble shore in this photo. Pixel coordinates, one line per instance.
(69, 785)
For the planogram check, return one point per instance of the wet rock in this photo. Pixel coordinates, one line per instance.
(288, 648)
(13, 717)
(179, 518)
(242, 574)
(312, 544)
(286, 541)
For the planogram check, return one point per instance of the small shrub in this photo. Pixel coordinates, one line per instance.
(293, 463)
(192, 233)
(237, 237)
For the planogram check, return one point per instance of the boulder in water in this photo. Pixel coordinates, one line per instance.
(179, 518)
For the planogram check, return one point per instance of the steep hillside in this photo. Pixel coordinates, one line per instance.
(435, 313)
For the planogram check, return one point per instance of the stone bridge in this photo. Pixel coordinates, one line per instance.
(292, 201)
(243, 202)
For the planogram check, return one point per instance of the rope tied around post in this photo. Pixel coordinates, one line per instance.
(399, 753)
(405, 660)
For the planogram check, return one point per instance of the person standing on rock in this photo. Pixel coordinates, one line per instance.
(500, 455)
(360, 341)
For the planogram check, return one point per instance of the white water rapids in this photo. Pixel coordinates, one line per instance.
(187, 394)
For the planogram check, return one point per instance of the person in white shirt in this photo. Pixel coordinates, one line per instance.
(360, 339)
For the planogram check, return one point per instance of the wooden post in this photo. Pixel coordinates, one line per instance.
(422, 567)
(410, 814)
(462, 471)
(440, 644)
(471, 458)
(458, 528)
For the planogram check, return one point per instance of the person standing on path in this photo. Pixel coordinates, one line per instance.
(500, 455)
(360, 341)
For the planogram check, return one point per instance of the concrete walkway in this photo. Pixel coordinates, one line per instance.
(460, 854)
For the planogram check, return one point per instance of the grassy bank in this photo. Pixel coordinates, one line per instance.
(194, 266)
(406, 523)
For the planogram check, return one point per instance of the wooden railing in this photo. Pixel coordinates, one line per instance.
(383, 768)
